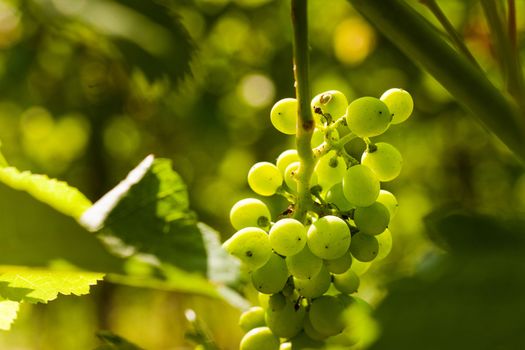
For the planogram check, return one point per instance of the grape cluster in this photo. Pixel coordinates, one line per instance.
(306, 270)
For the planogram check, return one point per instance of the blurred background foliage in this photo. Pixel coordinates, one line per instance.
(88, 88)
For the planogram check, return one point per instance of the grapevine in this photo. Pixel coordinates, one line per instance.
(310, 267)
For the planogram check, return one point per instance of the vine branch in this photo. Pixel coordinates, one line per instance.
(305, 121)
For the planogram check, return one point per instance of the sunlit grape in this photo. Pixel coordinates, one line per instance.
(367, 116)
(304, 264)
(249, 212)
(330, 169)
(271, 277)
(315, 286)
(251, 245)
(331, 102)
(284, 116)
(373, 219)
(264, 178)
(384, 160)
(389, 201)
(399, 103)
(252, 318)
(347, 282)
(286, 158)
(329, 237)
(287, 321)
(364, 247)
(260, 338)
(339, 265)
(385, 244)
(361, 186)
(288, 237)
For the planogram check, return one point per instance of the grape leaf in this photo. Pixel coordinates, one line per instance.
(40, 286)
(57, 194)
(149, 213)
(470, 298)
(8, 313)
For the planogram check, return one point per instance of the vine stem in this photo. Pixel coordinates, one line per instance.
(305, 121)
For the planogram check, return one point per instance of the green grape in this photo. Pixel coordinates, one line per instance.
(264, 299)
(310, 330)
(260, 338)
(251, 245)
(360, 267)
(287, 321)
(373, 219)
(264, 178)
(272, 276)
(276, 302)
(360, 185)
(287, 237)
(303, 342)
(327, 315)
(330, 169)
(286, 346)
(336, 196)
(384, 160)
(290, 176)
(252, 318)
(339, 265)
(286, 158)
(331, 102)
(389, 201)
(329, 237)
(284, 116)
(399, 103)
(304, 264)
(315, 286)
(250, 212)
(364, 247)
(344, 340)
(385, 244)
(367, 117)
(347, 282)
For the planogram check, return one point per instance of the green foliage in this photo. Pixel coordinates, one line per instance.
(8, 313)
(470, 298)
(57, 194)
(41, 286)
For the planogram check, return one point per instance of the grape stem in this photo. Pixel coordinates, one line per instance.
(305, 121)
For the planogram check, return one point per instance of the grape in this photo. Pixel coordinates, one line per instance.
(389, 201)
(330, 169)
(251, 245)
(364, 247)
(373, 219)
(329, 237)
(326, 315)
(304, 264)
(385, 244)
(284, 116)
(287, 237)
(290, 176)
(250, 212)
(264, 299)
(260, 338)
(339, 265)
(367, 117)
(286, 346)
(272, 276)
(276, 302)
(252, 318)
(315, 286)
(336, 196)
(303, 342)
(360, 186)
(384, 160)
(264, 178)
(347, 282)
(399, 103)
(331, 102)
(286, 158)
(310, 330)
(287, 321)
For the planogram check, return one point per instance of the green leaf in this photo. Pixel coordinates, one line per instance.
(471, 298)
(40, 286)
(8, 313)
(149, 213)
(55, 193)
(409, 31)
(34, 234)
(114, 342)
